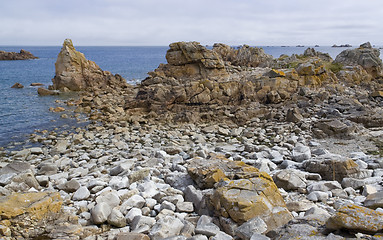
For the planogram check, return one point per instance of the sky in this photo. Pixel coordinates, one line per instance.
(161, 22)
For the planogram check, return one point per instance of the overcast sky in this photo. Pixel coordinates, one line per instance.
(160, 22)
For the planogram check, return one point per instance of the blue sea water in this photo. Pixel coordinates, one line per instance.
(22, 111)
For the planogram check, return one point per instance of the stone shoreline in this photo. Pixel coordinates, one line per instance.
(159, 163)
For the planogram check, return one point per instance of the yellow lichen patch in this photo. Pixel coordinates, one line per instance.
(37, 205)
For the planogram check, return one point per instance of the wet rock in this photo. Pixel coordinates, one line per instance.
(45, 92)
(17, 85)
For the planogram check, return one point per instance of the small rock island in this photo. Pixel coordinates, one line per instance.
(22, 55)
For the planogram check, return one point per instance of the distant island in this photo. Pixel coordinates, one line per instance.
(22, 55)
(343, 45)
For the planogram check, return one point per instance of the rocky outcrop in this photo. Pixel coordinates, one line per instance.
(244, 56)
(28, 214)
(197, 76)
(365, 56)
(22, 55)
(311, 52)
(189, 60)
(75, 72)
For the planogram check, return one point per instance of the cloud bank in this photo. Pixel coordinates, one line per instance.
(151, 22)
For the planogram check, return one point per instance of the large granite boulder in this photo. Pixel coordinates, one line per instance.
(244, 55)
(365, 56)
(189, 60)
(75, 72)
(22, 55)
(241, 192)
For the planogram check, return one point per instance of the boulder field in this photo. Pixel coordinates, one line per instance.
(218, 143)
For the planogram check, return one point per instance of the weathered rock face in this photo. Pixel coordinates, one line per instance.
(241, 192)
(333, 169)
(27, 211)
(311, 52)
(365, 56)
(75, 72)
(244, 56)
(190, 60)
(22, 55)
(357, 218)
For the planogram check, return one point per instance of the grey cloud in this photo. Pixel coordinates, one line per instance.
(153, 22)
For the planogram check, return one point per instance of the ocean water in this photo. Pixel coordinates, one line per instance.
(22, 111)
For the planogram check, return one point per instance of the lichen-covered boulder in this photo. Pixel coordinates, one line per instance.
(356, 218)
(35, 206)
(365, 56)
(207, 172)
(29, 214)
(75, 72)
(244, 199)
(241, 192)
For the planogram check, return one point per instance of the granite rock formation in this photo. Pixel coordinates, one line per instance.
(75, 72)
(365, 56)
(22, 55)
(244, 55)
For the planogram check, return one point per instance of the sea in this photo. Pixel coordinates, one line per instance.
(23, 112)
